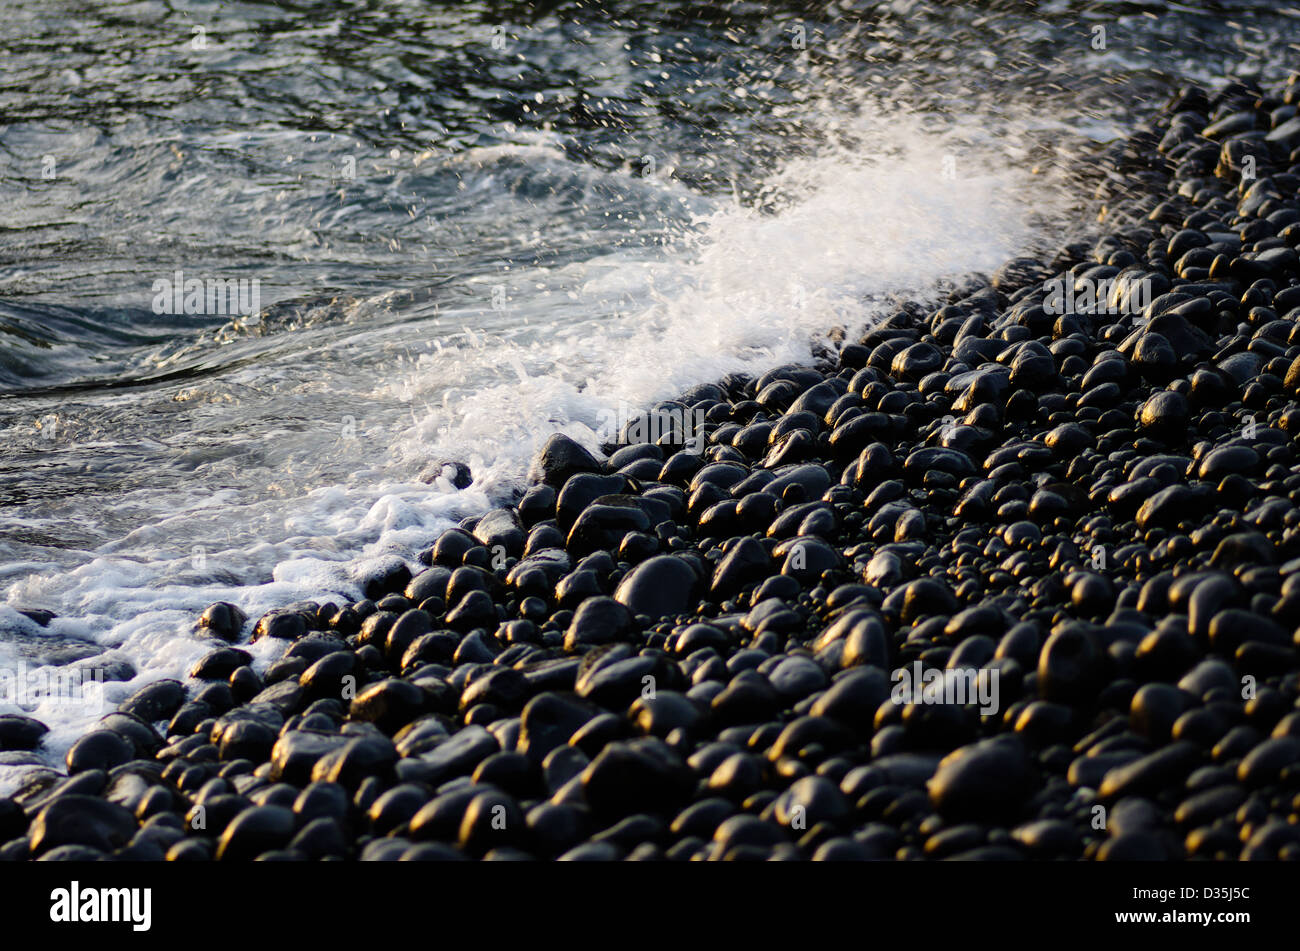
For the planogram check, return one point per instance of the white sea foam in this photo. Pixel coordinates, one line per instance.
(832, 237)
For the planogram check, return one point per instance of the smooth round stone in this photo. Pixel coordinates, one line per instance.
(797, 677)
(916, 361)
(220, 663)
(737, 777)
(749, 830)
(315, 646)
(806, 731)
(592, 852)
(635, 833)
(20, 732)
(1240, 367)
(1266, 762)
(389, 704)
(1067, 439)
(924, 597)
(1048, 838)
(492, 820)
(409, 626)
(142, 736)
(1033, 367)
(808, 557)
(603, 525)
(72, 853)
(555, 828)
(665, 712)
(866, 643)
(952, 461)
(1164, 412)
(636, 776)
(811, 800)
(1165, 654)
(158, 701)
(600, 620)
(99, 749)
(1151, 772)
(510, 771)
(549, 720)
(1070, 666)
(13, 821)
(322, 800)
(254, 831)
(1172, 505)
(987, 779)
(658, 587)
(396, 807)
(1243, 549)
(190, 850)
(385, 850)
(745, 700)
(1154, 710)
(1154, 354)
(327, 676)
(853, 698)
(702, 818)
(355, 760)
(560, 459)
(430, 583)
(840, 849)
(580, 491)
(320, 838)
(745, 562)
(473, 610)
(458, 755)
(577, 587)
(501, 530)
(432, 852)
(223, 620)
(1227, 460)
(474, 647)
(1205, 807)
(1133, 847)
(505, 688)
(615, 683)
(699, 637)
(281, 625)
(1092, 594)
(82, 821)
(247, 739)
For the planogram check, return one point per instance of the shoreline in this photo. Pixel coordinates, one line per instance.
(1084, 521)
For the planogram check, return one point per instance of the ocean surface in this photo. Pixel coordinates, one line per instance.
(453, 229)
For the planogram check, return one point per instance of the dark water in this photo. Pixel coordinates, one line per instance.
(471, 225)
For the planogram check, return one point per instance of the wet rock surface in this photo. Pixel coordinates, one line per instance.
(998, 579)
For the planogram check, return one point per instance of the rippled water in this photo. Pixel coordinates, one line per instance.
(471, 225)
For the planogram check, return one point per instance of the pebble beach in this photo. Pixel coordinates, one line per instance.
(1003, 567)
